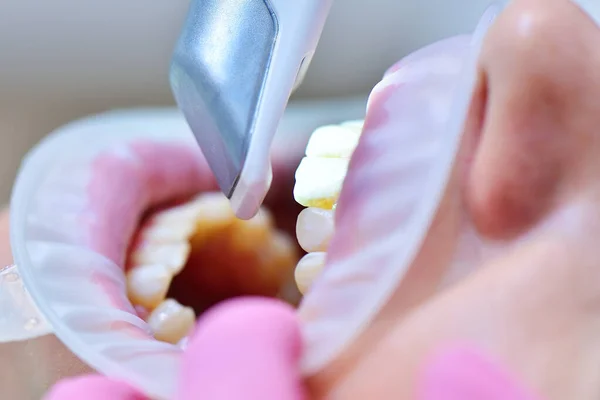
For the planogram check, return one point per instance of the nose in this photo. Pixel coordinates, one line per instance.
(534, 115)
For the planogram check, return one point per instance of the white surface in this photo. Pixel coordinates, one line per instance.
(299, 30)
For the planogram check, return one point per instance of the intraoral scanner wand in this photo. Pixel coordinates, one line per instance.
(233, 70)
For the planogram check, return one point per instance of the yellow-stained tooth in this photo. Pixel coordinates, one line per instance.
(171, 321)
(319, 181)
(147, 285)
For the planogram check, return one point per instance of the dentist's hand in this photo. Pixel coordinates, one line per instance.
(243, 349)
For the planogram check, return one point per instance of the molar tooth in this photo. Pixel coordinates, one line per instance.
(147, 285)
(307, 270)
(174, 256)
(171, 322)
(314, 229)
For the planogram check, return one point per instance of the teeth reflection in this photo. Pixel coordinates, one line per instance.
(307, 270)
(314, 229)
(147, 285)
(171, 322)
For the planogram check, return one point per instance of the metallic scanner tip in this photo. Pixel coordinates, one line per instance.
(218, 70)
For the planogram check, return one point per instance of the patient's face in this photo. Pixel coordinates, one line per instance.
(529, 177)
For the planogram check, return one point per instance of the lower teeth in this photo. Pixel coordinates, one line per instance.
(252, 257)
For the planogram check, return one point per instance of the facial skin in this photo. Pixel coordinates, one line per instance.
(529, 176)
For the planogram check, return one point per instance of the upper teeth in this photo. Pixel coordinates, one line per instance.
(320, 175)
(319, 180)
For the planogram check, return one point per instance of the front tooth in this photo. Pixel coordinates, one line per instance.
(314, 229)
(171, 322)
(319, 181)
(172, 255)
(147, 285)
(307, 270)
(334, 141)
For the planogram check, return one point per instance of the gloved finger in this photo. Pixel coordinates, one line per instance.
(93, 387)
(246, 348)
(462, 373)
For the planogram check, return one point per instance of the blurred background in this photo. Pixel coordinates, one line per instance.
(64, 59)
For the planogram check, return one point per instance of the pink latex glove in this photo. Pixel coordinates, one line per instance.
(461, 373)
(242, 349)
(248, 349)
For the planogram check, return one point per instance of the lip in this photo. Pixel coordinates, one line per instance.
(71, 260)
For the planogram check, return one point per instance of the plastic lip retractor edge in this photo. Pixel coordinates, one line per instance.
(233, 70)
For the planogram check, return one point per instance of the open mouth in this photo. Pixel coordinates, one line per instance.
(152, 209)
(187, 251)
(187, 257)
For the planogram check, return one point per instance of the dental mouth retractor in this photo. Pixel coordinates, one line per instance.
(234, 68)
